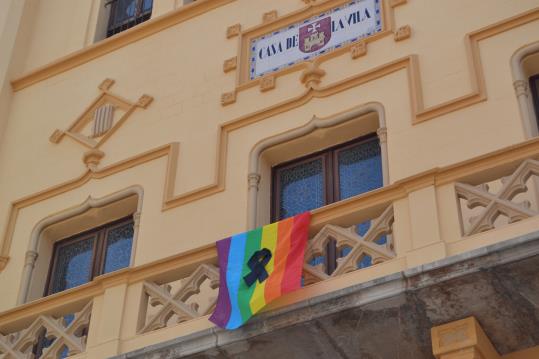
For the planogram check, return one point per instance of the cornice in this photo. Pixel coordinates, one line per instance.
(116, 42)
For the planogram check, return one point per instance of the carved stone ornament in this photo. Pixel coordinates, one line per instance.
(176, 304)
(359, 49)
(403, 33)
(395, 3)
(312, 75)
(521, 88)
(502, 202)
(267, 83)
(348, 238)
(92, 158)
(233, 31)
(101, 119)
(19, 345)
(230, 64)
(269, 16)
(228, 98)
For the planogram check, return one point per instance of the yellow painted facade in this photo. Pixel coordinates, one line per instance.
(192, 156)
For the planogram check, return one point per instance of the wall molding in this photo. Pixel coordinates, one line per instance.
(334, 213)
(105, 98)
(522, 91)
(116, 42)
(420, 114)
(89, 203)
(278, 22)
(314, 124)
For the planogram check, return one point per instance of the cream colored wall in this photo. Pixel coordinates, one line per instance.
(9, 30)
(181, 67)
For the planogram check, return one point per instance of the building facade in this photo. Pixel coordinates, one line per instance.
(134, 134)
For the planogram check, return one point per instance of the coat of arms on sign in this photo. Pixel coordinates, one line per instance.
(314, 36)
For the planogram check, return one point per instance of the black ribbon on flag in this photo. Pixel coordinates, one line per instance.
(257, 265)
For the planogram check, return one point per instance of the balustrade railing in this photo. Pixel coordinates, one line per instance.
(48, 337)
(504, 200)
(182, 289)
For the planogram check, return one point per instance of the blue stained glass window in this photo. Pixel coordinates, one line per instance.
(73, 264)
(302, 188)
(364, 262)
(360, 169)
(118, 252)
(77, 260)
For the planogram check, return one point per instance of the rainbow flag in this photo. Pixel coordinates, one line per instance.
(257, 267)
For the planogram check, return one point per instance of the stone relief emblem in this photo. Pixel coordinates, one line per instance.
(313, 37)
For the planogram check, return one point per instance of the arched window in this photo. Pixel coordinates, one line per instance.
(327, 176)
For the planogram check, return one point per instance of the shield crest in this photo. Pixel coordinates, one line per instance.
(314, 36)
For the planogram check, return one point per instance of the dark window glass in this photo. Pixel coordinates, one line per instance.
(125, 14)
(118, 248)
(302, 187)
(77, 260)
(534, 87)
(325, 177)
(360, 168)
(73, 265)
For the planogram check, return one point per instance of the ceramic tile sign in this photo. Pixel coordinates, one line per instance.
(315, 36)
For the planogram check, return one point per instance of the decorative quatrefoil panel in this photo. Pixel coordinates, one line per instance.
(101, 119)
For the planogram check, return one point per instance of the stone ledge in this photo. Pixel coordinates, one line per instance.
(360, 295)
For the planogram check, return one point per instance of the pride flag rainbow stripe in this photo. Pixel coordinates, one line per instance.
(286, 240)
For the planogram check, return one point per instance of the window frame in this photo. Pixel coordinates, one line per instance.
(331, 176)
(139, 17)
(98, 251)
(534, 89)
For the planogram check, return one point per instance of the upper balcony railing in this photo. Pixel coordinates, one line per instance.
(370, 236)
(125, 14)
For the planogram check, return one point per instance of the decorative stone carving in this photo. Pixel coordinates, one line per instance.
(312, 75)
(521, 88)
(97, 123)
(106, 84)
(92, 158)
(56, 136)
(348, 238)
(359, 49)
(103, 117)
(66, 334)
(144, 101)
(253, 180)
(228, 98)
(233, 31)
(382, 134)
(176, 304)
(230, 64)
(403, 33)
(500, 203)
(395, 3)
(269, 16)
(267, 83)
(462, 339)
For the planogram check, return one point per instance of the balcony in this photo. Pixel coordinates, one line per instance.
(395, 244)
